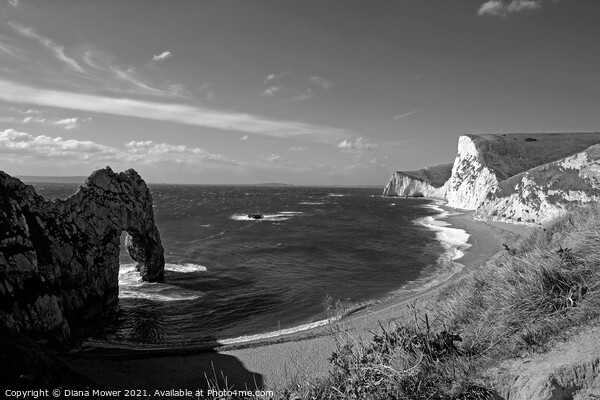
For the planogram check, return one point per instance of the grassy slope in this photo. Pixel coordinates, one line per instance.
(551, 176)
(510, 154)
(514, 304)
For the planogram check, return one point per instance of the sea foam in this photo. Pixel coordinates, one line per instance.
(131, 285)
(279, 216)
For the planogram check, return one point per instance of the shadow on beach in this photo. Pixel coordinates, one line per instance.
(165, 369)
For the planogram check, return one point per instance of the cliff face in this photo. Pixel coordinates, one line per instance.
(59, 259)
(405, 185)
(487, 166)
(545, 192)
(427, 182)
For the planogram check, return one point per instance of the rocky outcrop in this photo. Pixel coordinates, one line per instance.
(490, 175)
(428, 182)
(543, 193)
(59, 259)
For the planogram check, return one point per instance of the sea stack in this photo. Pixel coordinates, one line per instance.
(59, 259)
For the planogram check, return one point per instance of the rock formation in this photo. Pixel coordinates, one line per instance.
(488, 166)
(59, 259)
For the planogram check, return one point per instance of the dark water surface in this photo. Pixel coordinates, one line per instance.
(228, 275)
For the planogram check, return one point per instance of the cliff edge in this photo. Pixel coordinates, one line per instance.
(59, 259)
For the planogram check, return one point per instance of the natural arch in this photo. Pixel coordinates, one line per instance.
(59, 259)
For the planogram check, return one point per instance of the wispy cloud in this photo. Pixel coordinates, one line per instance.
(149, 152)
(323, 83)
(178, 113)
(501, 8)
(287, 88)
(70, 123)
(162, 56)
(298, 149)
(276, 77)
(359, 144)
(245, 137)
(273, 158)
(272, 91)
(93, 69)
(8, 50)
(408, 114)
(57, 50)
(15, 4)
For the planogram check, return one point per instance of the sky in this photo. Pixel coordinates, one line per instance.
(305, 92)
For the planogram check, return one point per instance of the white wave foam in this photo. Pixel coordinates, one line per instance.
(185, 268)
(454, 240)
(131, 285)
(124, 293)
(280, 216)
(311, 203)
(281, 332)
(337, 195)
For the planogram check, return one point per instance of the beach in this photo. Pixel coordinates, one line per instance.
(274, 362)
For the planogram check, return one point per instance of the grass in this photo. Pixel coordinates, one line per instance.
(518, 303)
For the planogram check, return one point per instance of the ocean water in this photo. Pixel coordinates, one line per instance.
(230, 278)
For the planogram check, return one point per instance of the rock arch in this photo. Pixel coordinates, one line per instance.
(59, 259)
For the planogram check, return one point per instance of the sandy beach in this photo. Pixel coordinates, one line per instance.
(271, 363)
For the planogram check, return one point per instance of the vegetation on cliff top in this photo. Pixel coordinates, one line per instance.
(515, 304)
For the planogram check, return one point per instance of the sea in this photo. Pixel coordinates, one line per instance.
(317, 254)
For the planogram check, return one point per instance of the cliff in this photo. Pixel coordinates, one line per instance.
(486, 164)
(59, 259)
(427, 182)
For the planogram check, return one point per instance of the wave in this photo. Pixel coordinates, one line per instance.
(280, 216)
(281, 332)
(337, 195)
(311, 203)
(131, 285)
(185, 268)
(454, 240)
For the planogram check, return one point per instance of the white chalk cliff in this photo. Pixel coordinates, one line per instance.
(518, 178)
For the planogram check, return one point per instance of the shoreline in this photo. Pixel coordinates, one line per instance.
(278, 359)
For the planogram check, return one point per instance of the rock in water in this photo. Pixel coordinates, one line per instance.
(59, 259)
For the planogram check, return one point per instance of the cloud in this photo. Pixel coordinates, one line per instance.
(23, 144)
(69, 123)
(501, 8)
(288, 89)
(298, 149)
(272, 91)
(245, 137)
(30, 119)
(171, 112)
(57, 50)
(323, 83)
(162, 56)
(359, 144)
(273, 158)
(93, 68)
(276, 77)
(404, 115)
(148, 152)
(15, 4)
